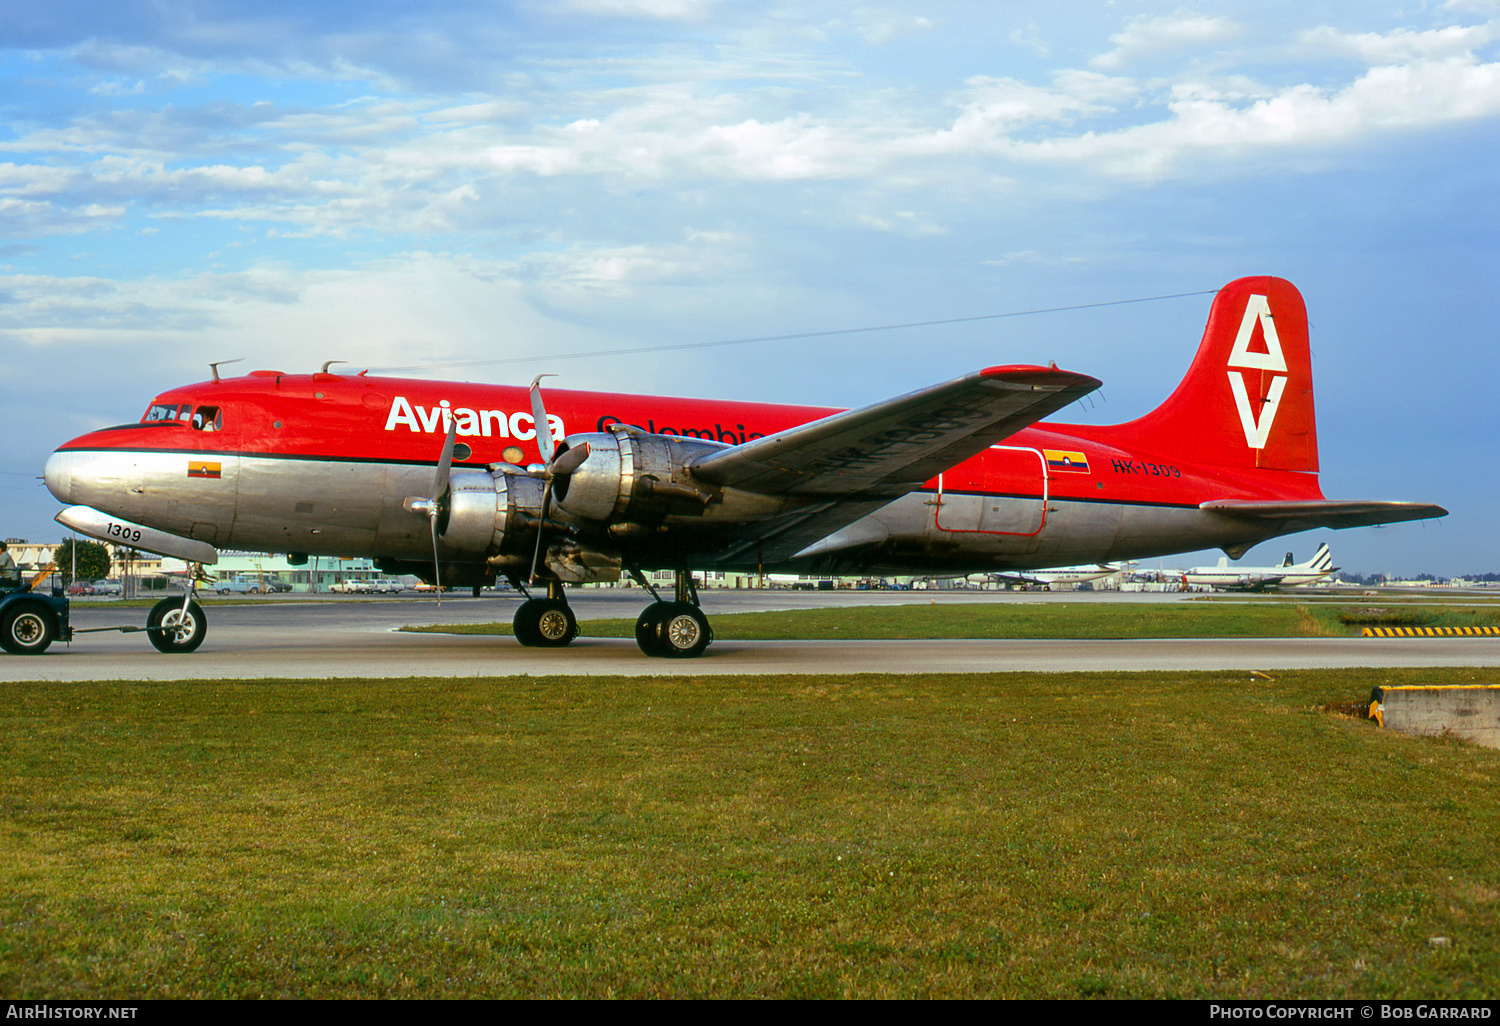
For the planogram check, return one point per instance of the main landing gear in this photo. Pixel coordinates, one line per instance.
(676, 629)
(671, 630)
(546, 622)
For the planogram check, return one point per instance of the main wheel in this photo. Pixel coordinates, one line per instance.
(682, 631)
(174, 629)
(648, 627)
(545, 623)
(27, 629)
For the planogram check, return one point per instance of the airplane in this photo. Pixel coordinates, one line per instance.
(461, 482)
(1048, 577)
(1260, 578)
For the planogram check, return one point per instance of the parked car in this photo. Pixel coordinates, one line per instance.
(242, 585)
(108, 587)
(350, 587)
(80, 588)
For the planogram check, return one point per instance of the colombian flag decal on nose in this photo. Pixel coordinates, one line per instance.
(202, 468)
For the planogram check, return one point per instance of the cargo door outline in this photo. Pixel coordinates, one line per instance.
(957, 519)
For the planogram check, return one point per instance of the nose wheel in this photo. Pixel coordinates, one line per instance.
(175, 625)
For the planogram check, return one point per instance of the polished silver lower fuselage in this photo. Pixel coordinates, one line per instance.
(324, 506)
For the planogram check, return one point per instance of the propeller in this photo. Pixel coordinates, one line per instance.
(555, 464)
(539, 417)
(432, 507)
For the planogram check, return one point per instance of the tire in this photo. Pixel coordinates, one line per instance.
(172, 630)
(545, 623)
(648, 626)
(223, 591)
(682, 631)
(27, 629)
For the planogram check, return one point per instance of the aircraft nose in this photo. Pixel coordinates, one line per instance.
(59, 476)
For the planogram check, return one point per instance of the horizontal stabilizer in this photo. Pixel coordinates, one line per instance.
(1305, 515)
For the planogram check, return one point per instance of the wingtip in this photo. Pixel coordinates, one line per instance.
(1031, 374)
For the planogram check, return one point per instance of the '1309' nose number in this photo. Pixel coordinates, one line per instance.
(122, 532)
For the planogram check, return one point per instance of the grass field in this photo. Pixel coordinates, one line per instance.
(1067, 620)
(1060, 835)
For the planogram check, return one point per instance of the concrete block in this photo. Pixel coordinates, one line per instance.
(1467, 711)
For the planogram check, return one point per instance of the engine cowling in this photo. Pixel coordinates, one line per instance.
(490, 514)
(634, 477)
(495, 517)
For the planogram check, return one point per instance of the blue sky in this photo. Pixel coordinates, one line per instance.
(414, 185)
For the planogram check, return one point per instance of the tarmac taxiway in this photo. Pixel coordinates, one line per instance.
(322, 639)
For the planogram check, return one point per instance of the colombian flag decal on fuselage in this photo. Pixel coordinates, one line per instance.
(1062, 459)
(201, 468)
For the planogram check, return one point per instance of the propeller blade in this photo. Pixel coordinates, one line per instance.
(569, 460)
(541, 527)
(431, 506)
(437, 568)
(539, 415)
(445, 464)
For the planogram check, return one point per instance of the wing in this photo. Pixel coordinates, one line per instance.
(886, 450)
(1295, 516)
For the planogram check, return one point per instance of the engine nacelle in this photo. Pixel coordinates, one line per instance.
(495, 517)
(491, 514)
(632, 476)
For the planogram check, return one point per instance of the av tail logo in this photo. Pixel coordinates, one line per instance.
(1257, 429)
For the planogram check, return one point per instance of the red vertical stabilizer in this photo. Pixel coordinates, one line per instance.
(1247, 400)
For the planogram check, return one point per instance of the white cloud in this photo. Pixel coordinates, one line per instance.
(116, 88)
(1403, 45)
(902, 222)
(451, 163)
(592, 271)
(665, 10)
(1031, 38)
(414, 308)
(30, 218)
(879, 25)
(992, 109)
(1299, 118)
(1153, 36)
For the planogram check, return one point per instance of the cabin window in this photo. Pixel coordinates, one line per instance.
(208, 418)
(161, 411)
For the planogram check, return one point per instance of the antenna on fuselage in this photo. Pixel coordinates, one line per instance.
(330, 363)
(214, 367)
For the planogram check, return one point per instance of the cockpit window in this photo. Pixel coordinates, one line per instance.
(161, 411)
(208, 418)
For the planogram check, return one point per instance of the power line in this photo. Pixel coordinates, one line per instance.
(782, 338)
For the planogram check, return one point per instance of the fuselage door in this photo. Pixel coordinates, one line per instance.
(1011, 497)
